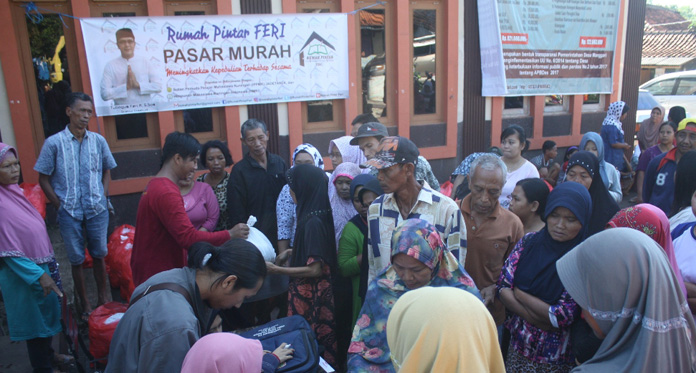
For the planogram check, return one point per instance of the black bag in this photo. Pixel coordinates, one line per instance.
(296, 331)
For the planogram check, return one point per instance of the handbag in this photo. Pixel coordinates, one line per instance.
(294, 330)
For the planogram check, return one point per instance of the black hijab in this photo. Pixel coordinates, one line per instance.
(314, 236)
(536, 271)
(604, 207)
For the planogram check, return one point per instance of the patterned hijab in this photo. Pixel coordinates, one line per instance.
(623, 279)
(311, 150)
(448, 342)
(613, 117)
(652, 221)
(22, 229)
(343, 209)
(420, 240)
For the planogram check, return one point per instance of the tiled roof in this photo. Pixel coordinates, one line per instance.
(658, 18)
(669, 44)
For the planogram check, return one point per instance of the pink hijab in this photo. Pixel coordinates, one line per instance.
(224, 352)
(22, 230)
(652, 221)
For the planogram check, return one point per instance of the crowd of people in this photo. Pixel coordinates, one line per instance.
(528, 266)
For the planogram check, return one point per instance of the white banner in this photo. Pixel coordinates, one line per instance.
(146, 64)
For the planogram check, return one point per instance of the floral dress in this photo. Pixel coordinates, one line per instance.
(532, 349)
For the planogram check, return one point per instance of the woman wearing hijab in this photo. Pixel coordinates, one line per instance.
(28, 287)
(583, 168)
(592, 142)
(229, 352)
(313, 258)
(649, 133)
(285, 207)
(339, 195)
(665, 143)
(459, 337)
(419, 258)
(353, 242)
(613, 134)
(540, 310)
(652, 221)
(631, 299)
(340, 150)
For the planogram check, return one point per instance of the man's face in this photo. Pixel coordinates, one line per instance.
(391, 178)
(486, 186)
(79, 113)
(126, 44)
(256, 140)
(369, 146)
(686, 139)
(552, 153)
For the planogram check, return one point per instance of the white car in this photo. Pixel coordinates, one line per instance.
(674, 89)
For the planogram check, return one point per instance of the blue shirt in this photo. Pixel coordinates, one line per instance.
(76, 170)
(612, 135)
(658, 187)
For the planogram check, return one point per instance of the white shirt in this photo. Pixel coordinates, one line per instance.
(525, 171)
(113, 84)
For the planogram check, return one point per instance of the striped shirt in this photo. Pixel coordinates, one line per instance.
(383, 217)
(76, 170)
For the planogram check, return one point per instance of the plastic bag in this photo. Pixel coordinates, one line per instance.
(260, 241)
(102, 324)
(118, 260)
(36, 197)
(446, 188)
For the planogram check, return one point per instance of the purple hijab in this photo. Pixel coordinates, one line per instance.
(343, 209)
(22, 230)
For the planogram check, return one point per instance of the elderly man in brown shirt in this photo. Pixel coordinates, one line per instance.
(492, 231)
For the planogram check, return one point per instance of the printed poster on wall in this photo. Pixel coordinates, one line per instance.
(147, 64)
(547, 46)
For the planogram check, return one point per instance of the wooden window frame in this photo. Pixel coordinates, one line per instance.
(97, 8)
(389, 40)
(338, 106)
(440, 45)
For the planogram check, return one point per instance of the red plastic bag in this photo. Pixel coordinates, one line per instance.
(36, 197)
(118, 260)
(446, 188)
(102, 324)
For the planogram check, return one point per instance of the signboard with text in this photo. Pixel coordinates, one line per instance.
(547, 46)
(147, 64)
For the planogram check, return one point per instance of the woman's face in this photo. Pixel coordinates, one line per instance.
(520, 206)
(562, 224)
(512, 147)
(342, 184)
(357, 203)
(592, 148)
(186, 167)
(656, 116)
(580, 175)
(224, 296)
(336, 157)
(215, 161)
(412, 272)
(667, 135)
(9, 170)
(303, 158)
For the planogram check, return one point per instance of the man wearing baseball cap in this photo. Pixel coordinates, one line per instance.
(367, 138)
(658, 187)
(129, 79)
(395, 162)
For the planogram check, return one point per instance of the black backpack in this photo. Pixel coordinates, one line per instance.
(296, 331)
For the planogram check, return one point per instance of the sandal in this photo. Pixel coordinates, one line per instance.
(61, 359)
